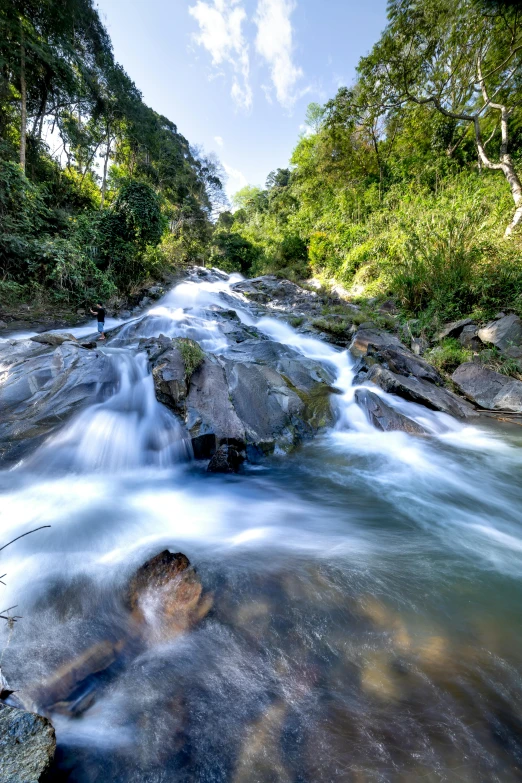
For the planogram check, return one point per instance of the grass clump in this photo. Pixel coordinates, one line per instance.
(296, 321)
(447, 356)
(337, 326)
(191, 354)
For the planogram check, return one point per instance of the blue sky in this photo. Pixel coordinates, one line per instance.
(236, 76)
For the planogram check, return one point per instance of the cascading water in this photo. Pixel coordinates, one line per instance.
(366, 588)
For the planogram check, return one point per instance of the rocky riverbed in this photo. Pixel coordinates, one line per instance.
(344, 459)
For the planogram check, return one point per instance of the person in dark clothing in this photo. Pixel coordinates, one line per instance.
(100, 313)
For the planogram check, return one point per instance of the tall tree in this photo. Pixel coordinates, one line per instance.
(463, 58)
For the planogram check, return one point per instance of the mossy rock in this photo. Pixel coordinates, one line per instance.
(191, 354)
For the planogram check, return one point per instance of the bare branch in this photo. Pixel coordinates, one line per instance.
(23, 534)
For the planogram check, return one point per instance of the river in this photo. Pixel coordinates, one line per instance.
(367, 588)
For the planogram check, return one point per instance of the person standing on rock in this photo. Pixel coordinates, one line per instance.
(100, 313)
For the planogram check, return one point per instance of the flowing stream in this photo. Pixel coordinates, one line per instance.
(367, 587)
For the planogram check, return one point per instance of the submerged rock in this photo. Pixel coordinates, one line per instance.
(422, 392)
(487, 388)
(165, 595)
(27, 746)
(383, 416)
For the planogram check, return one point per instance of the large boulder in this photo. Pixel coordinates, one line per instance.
(400, 360)
(383, 416)
(257, 396)
(372, 338)
(420, 391)
(505, 334)
(487, 388)
(211, 418)
(42, 389)
(27, 746)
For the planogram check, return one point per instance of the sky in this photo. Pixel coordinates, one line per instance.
(236, 76)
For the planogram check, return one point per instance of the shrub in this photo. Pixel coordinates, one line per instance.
(192, 355)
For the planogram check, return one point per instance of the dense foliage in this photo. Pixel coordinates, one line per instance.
(97, 190)
(405, 184)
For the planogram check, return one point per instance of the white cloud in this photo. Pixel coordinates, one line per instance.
(274, 42)
(221, 34)
(236, 179)
(219, 141)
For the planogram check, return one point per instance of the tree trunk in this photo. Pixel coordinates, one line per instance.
(23, 92)
(105, 165)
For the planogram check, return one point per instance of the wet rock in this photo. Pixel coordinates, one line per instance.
(3, 325)
(59, 687)
(27, 746)
(374, 338)
(277, 294)
(43, 388)
(170, 381)
(420, 391)
(49, 338)
(210, 415)
(165, 595)
(505, 334)
(227, 459)
(383, 416)
(453, 329)
(487, 388)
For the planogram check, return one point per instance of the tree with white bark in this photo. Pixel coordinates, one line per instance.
(463, 58)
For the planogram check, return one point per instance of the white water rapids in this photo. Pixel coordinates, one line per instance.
(366, 588)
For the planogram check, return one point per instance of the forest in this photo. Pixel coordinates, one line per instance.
(406, 184)
(97, 190)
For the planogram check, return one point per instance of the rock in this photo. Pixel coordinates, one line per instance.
(419, 345)
(487, 388)
(145, 302)
(165, 595)
(210, 415)
(3, 325)
(383, 416)
(227, 459)
(155, 291)
(399, 359)
(27, 746)
(453, 329)
(124, 314)
(170, 379)
(43, 388)
(260, 758)
(505, 334)
(389, 307)
(64, 681)
(374, 337)
(52, 338)
(278, 294)
(468, 338)
(420, 391)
